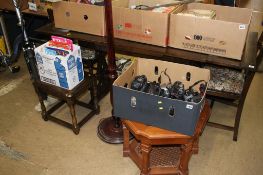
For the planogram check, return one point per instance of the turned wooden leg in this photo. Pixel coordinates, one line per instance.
(146, 149)
(212, 103)
(93, 94)
(196, 146)
(126, 141)
(186, 151)
(43, 109)
(71, 106)
(93, 89)
(41, 101)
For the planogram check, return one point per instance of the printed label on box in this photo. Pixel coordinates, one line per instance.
(63, 70)
(204, 48)
(189, 106)
(32, 6)
(242, 27)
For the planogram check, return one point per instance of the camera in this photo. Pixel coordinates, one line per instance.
(139, 83)
(152, 88)
(175, 91)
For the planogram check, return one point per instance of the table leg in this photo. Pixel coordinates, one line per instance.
(93, 90)
(103, 81)
(146, 149)
(126, 140)
(248, 80)
(41, 101)
(195, 146)
(71, 106)
(186, 151)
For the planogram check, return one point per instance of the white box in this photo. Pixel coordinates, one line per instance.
(63, 71)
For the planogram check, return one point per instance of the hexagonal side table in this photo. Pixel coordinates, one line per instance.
(158, 151)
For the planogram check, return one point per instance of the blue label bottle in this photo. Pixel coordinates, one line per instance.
(80, 69)
(39, 59)
(61, 72)
(71, 62)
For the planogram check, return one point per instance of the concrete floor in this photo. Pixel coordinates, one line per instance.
(30, 146)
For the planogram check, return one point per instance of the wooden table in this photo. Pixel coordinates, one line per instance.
(143, 50)
(35, 13)
(156, 151)
(248, 63)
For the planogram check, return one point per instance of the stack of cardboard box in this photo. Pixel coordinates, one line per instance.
(224, 35)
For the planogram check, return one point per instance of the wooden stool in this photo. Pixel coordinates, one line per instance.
(158, 151)
(69, 97)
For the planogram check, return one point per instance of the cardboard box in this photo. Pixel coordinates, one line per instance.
(63, 71)
(224, 36)
(257, 15)
(256, 5)
(39, 5)
(256, 24)
(8, 5)
(155, 110)
(80, 17)
(140, 25)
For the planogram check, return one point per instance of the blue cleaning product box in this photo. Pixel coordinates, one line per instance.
(60, 67)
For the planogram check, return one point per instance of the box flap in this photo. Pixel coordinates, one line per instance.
(224, 13)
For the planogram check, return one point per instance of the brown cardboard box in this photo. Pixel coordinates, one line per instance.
(140, 25)
(153, 109)
(256, 5)
(224, 36)
(257, 16)
(256, 22)
(80, 17)
(39, 5)
(8, 4)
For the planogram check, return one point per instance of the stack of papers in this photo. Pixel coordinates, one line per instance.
(209, 14)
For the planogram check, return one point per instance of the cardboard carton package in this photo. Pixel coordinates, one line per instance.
(143, 26)
(80, 17)
(8, 4)
(223, 36)
(39, 5)
(153, 109)
(62, 71)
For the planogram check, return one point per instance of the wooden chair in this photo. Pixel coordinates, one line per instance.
(230, 86)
